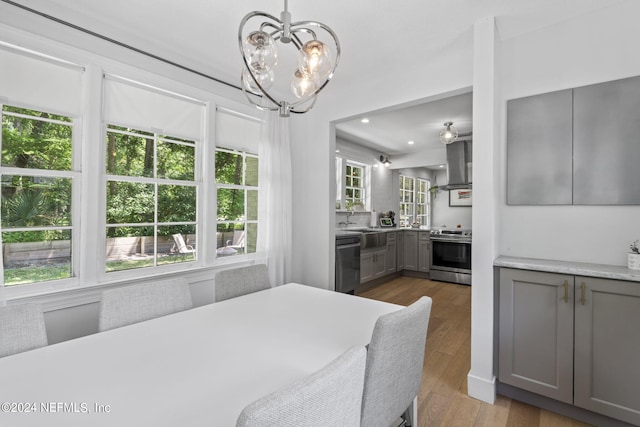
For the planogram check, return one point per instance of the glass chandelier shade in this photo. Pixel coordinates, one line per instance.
(314, 66)
(448, 134)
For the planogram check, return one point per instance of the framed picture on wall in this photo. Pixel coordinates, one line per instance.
(459, 198)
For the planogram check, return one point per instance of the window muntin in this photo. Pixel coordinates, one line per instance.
(151, 195)
(36, 206)
(237, 202)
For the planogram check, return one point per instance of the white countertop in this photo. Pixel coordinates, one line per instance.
(605, 271)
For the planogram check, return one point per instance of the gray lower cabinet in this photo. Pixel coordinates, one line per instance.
(572, 338)
(536, 332)
(366, 267)
(391, 263)
(424, 257)
(607, 347)
(372, 264)
(400, 251)
(411, 250)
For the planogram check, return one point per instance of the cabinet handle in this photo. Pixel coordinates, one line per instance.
(566, 291)
(582, 286)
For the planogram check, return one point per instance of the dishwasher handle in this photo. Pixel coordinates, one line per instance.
(353, 245)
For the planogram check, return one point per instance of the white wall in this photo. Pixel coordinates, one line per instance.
(595, 48)
(445, 215)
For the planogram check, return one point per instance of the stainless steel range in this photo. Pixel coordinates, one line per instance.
(451, 256)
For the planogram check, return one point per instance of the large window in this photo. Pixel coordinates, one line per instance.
(237, 200)
(407, 185)
(414, 201)
(422, 202)
(37, 182)
(151, 199)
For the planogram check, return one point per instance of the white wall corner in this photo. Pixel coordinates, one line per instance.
(481, 388)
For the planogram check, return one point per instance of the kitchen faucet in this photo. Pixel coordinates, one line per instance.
(346, 224)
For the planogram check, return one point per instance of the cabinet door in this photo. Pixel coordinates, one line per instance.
(366, 266)
(400, 252)
(606, 151)
(536, 332)
(390, 257)
(539, 149)
(607, 348)
(379, 263)
(423, 252)
(411, 250)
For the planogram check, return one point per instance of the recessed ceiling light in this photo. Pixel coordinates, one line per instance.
(441, 166)
(411, 142)
(337, 151)
(365, 120)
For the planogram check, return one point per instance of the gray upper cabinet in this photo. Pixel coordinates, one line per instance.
(539, 149)
(577, 146)
(606, 132)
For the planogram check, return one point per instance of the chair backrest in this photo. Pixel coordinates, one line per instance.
(330, 397)
(241, 281)
(181, 245)
(136, 303)
(394, 363)
(22, 328)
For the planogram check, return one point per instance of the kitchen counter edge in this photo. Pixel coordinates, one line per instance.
(604, 271)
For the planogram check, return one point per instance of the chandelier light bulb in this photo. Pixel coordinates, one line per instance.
(261, 51)
(302, 84)
(315, 59)
(265, 79)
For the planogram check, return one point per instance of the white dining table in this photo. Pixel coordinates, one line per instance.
(199, 367)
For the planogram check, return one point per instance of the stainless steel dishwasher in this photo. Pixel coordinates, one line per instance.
(347, 262)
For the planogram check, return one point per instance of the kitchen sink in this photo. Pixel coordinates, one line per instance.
(373, 239)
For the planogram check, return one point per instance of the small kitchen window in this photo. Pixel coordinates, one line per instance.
(351, 185)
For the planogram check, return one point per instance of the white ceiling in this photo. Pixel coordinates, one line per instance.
(376, 36)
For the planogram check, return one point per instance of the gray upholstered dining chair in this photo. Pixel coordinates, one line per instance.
(136, 303)
(22, 328)
(329, 397)
(241, 281)
(394, 365)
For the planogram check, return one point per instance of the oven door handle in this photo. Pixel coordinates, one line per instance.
(451, 240)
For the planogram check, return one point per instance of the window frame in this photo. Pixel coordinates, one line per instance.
(156, 182)
(75, 174)
(342, 163)
(244, 187)
(414, 203)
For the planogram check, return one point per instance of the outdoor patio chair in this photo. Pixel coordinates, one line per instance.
(181, 247)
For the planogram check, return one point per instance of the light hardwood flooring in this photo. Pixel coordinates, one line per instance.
(443, 399)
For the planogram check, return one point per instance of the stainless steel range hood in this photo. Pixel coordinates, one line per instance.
(459, 165)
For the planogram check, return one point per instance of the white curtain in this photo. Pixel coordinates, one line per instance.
(275, 200)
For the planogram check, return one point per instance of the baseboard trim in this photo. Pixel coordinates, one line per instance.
(481, 388)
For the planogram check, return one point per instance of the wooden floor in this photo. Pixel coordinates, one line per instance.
(443, 399)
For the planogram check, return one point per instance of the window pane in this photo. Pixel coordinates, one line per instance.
(32, 201)
(176, 161)
(251, 171)
(252, 205)
(169, 251)
(228, 168)
(349, 170)
(230, 204)
(231, 239)
(356, 182)
(36, 256)
(357, 172)
(33, 143)
(130, 155)
(129, 247)
(176, 203)
(129, 202)
(349, 181)
(252, 237)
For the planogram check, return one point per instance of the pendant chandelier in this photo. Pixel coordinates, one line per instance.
(449, 134)
(310, 73)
